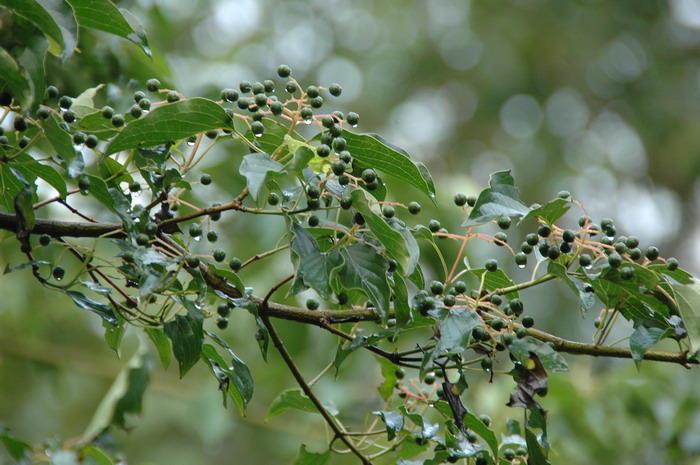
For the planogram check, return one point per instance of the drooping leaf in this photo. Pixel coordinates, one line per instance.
(290, 399)
(389, 374)
(688, 300)
(402, 309)
(502, 198)
(187, 335)
(32, 59)
(227, 375)
(170, 122)
(59, 139)
(392, 240)
(393, 421)
(13, 79)
(678, 275)
(98, 454)
(309, 458)
(550, 358)
(455, 331)
(494, 280)
(15, 447)
(161, 343)
(532, 379)
(114, 335)
(84, 104)
(365, 269)
(427, 429)
(24, 209)
(54, 18)
(371, 151)
(103, 310)
(103, 15)
(478, 426)
(644, 337)
(535, 454)
(28, 166)
(256, 167)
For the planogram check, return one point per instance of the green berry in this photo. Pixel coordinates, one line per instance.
(219, 255)
(172, 96)
(339, 144)
(521, 259)
(626, 272)
(269, 86)
(323, 150)
(212, 236)
(516, 306)
(277, 108)
(192, 261)
(606, 223)
(400, 373)
(346, 202)
(291, 87)
(436, 287)
(195, 230)
(313, 204)
(117, 120)
(20, 124)
(544, 230)
(313, 192)
(471, 200)
(44, 239)
(508, 454)
(568, 235)
(393, 264)
(532, 239)
(338, 167)
(583, 220)
(138, 96)
(526, 248)
(635, 254)
(353, 119)
(414, 208)
(486, 364)
(205, 179)
(388, 211)
(273, 199)
(257, 128)
(449, 300)
(620, 248)
(491, 264)
(614, 260)
(652, 253)
(153, 85)
(528, 322)
(312, 91)
(345, 156)
(507, 338)
(284, 71)
(69, 116)
(221, 322)
(313, 221)
(91, 141)
(335, 90)
(107, 112)
(43, 113)
(142, 239)
(501, 238)
(521, 451)
(434, 226)
(51, 92)
(672, 264)
(460, 199)
(58, 272)
(369, 175)
(312, 304)
(521, 333)
(585, 260)
(65, 102)
(136, 111)
(460, 287)
(223, 310)
(235, 264)
(429, 378)
(84, 184)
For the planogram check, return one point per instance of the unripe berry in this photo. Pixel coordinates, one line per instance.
(388, 211)
(117, 120)
(192, 261)
(585, 260)
(460, 199)
(568, 235)
(290, 87)
(323, 150)
(526, 248)
(553, 252)
(58, 272)
(219, 255)
(284, 71)
(172, 96)
(528, 322)
(436, 287)
(491, 264)
(414, 208)
(393, 265)
(521, 259)
(221, 322)
(335, 90)
(614, 260)
(312, 304)
(434, 226)
(521, 333)
(500, 238)
(471, 200)
(212, 236)
(44, 239)
(460, 287)
(205, 179)
(153, 85)
(486, 364)
(652, 253)
(353, 119)
(235, 264)
(313, 221)
(627, 272)
(369, 175)
(544, 230)
(69, 116)
(51, 92)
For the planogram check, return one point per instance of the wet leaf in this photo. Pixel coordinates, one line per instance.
(502, 198)
(186, 334)
(290, 399)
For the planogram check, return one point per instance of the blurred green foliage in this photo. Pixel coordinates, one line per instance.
(595, 97)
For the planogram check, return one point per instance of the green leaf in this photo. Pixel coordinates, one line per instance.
(59, 139)
(535, 454)
(455, 331)
(494, 280)
(642, 338)
(255, 167)
(365, 269)
(302, 156)
(427, 429)
(402, 309)
(551, 360)
(392, 240)
(226, 373)
(162, 344)
(11, 186)
(393, 421)
(371, 151)
(170, 122)
(27, 165)
(15, 447)
(104, 310)
(13, 79)
(478, 426)
(100, 191)
(23, 203)
(103, 15)
(98, 454)
(187, 335)
(314, 268)
(114, 335)
(32, 58)
(309, 458)
(230, 276)
(54, 18)
(290, 399)
(679, 275)
(688, 300)
(124, 396)
(551, 212)
(386, 389)
(502, 198)
(84, 104)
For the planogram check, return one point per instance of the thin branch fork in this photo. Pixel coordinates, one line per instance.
(325, 318)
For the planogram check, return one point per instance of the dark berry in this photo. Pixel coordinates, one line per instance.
(635, 254)
(338, 167)
(521, 259)
(195, 230)
(316, 102)
(491, 264)
(84, 184)
(449, 300)
(620, 248)
(69, 116)
(345, 202)
(460, 199)
(205, 179)
(312, 91)
(313, 204)
(153, 85)
(117, 120)
(277, 108)
(65, 102)
(291, 87)
(313, 221)
(565, 247)
(388, 211)
(307, 114)
(135, 111)
(221, 322)
(501, 238)
(532, 239)
(20, 124)
(257, 128)
(672, 264)
(172, 96)
(521, 333)
(342, 298)
(284, 71)
(142, 239)
(219, 255)
(393, 264)
(353, 119)
(526, 248)
(553, 252)
(58, 272)
(414, 208)
(583, 220)
(436, 287)
(486, 364)
(312, 304)
(460, 287)
(516, 306)
(434, 226)
(345, 156)
(369, 175)
(44, 239)
(652, 253)
(471, 200)
(273, 199)
(43, 113)
(528, 322)
(632, 242)
(359, 219)
(51, 92)
(107, 112)
(235, 264)
(626, 272)
(614, 260)
(339, 144)
(544, 230)
(91, 141)
(585, 260)
(568, 235)
(212, 236)
(335, 90)
(223, 310)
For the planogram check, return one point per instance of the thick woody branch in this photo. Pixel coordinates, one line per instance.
(322, 318)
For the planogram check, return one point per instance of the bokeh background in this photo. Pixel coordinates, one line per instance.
(599, 98)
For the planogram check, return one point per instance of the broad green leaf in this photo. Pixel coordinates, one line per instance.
(535, 455)
(9, 269)
(402, 309)
(455, 331)
(11, 186)
(170, 122)
(27, 165)
(688, 300)
(186, 334)
(162, 344)
(365, 269)
(12, 78)
(290, 399)
(226, 373)
(392, 240)
(586, 298)
(643, 276)
(551, 360)
(315, 269)
(502, 198)
(98, 454)
(679, 275)
(15, 447)
(124, 396)
(230, 276)
(494, 280)
(239, 372)
(371, 151)
(54, 18)
(393, 421)
(114, 335)
(478, 426)
(84, 104)
(103, 15)
(32, 59)
(309, 458)
(642, 338)
(551, 212)
(427, 429)
(101, 192)
(256, 167)
(389, 374)
(103, 310)
(24, 209)
(59, 139)
(276, 136)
